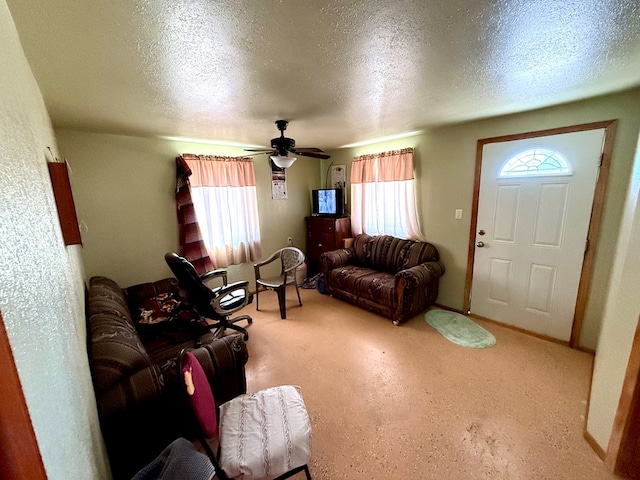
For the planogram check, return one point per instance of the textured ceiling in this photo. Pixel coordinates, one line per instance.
(340, 71)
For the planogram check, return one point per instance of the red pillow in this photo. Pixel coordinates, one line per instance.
(200, 396)
(158, 309)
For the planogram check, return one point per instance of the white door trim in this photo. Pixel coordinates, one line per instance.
(594, 225)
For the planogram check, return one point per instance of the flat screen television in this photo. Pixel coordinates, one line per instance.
(328, 202)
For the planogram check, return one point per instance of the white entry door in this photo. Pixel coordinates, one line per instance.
(531, 234)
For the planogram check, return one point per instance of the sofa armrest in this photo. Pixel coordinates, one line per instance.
(134, 391)
(422, 274)
(416, 289)
(336, 258)
(223, 361)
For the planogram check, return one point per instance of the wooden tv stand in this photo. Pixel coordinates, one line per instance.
(324, 234)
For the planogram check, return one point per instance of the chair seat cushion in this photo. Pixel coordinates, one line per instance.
(264, 434)
(274, 282)
(233, 299)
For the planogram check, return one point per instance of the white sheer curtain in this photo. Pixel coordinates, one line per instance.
(383, 199)
(223, 190)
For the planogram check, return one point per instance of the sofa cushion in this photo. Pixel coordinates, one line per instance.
(362, 248)
(165, 345)
(136, 295)
(368, 283)
(390, 254)
(384, 251)
(414, 253)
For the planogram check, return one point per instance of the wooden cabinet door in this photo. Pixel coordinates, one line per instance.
(324, 234)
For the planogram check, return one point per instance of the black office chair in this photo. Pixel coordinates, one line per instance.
(214, 303)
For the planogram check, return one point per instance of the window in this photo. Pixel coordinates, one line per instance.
(223, 191)
(536, 162)
(383, 195)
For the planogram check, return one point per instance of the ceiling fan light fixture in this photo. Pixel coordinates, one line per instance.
(283, 162)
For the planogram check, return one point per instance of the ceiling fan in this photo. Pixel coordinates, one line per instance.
(281, 146)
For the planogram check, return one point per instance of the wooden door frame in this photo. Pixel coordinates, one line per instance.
(624, 443)
(19, 453)
(609, 127)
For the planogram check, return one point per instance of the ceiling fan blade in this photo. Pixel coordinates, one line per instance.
(301, 149)
(263, 152)
(323, 156)
(258, 150)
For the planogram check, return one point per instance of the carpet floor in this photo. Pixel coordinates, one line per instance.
(405, 403)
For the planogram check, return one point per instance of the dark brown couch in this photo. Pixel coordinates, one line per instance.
(135, 374)
(392, 277)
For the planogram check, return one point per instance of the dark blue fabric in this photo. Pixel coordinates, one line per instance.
(320, 285)
(179, 461)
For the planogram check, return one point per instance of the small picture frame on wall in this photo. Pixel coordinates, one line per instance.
(278, 182)
(338, 176)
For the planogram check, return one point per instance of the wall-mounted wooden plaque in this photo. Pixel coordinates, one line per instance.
(64, 202)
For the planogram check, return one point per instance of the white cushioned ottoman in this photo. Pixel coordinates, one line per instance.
(264, 434)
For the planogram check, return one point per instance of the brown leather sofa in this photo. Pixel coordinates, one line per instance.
(135, 374)
(390, 276)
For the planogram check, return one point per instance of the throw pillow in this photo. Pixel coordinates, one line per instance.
(158, 309)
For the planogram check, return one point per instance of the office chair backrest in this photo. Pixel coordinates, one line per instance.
(199, 293)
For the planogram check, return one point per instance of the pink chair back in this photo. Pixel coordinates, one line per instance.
(199, 393)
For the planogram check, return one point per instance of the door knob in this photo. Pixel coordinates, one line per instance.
(480, 244)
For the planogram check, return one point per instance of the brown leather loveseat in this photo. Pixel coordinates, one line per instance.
(390, 276)
(134, 368)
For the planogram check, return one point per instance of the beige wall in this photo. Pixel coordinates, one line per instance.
(445, 161)
(42, 290)
(124, 194)
(619, 321)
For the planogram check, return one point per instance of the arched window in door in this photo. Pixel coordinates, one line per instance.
(536, 162)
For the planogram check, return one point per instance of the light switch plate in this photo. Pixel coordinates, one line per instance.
(458, 214)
